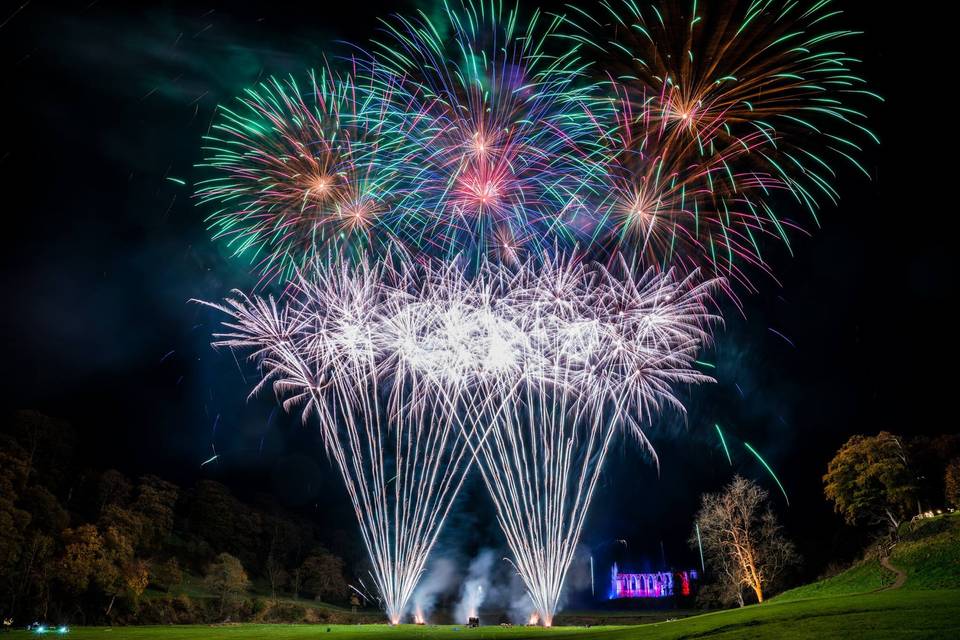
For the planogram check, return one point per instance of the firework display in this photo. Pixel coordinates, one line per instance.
(611, 349)
(499, 236)
(730, 116)
(346, 349)
(491, 108)
(412, 370)
(299, 172)
(683, 136)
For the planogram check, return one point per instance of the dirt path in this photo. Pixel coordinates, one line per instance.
(901, 575)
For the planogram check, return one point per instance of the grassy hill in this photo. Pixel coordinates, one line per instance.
(928, 552)
(867, 575)
(857, 603)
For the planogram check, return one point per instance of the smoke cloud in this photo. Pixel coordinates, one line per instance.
(477, 585)
(441, 579)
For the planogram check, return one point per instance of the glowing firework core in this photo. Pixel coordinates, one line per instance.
(321, 186)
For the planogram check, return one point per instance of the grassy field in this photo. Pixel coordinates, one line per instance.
(887, 614)
(851, 605)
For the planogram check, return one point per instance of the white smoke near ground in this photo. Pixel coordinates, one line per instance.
(441, 579)
(476, 587)
(490, 583)
(493, 584)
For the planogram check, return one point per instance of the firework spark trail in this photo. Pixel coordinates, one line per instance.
(413, 371)
(485, 131)
(723, 441)
(298, 172)
(495, 135)
(727, 116)
(605, 352)
(392, 433)
(769, 469)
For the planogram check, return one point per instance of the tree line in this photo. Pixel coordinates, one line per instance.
(96, 546)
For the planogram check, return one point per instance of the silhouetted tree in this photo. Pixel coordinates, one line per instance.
(46, 512)
(44, 444)
(167, 575)
(121, 573)
(322, 575)
(124, 521)
(226, 523)
(83, 555)
(93, 561)
(13, 523)
(927, 459)
(113, 488)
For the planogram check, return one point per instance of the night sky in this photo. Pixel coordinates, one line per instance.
(102, 251)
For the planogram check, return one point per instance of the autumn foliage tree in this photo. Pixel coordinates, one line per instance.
(103, 559)
(952, 483)
(322, 574)
(928, 457)
(742, 541)
(227, 579)
(869, 481)
(82, 545)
